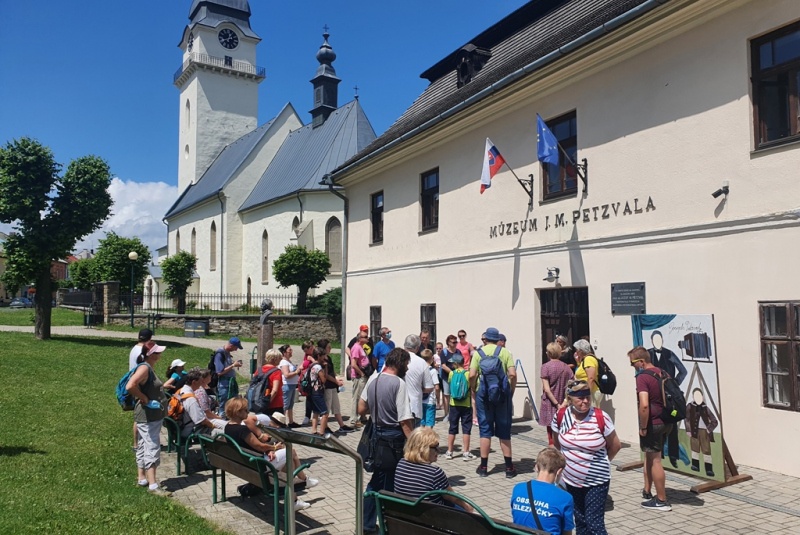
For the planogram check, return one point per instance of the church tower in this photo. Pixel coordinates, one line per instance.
(326, 84)
(218, 81)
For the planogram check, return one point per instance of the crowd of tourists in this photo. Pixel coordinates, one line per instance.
(398, 391)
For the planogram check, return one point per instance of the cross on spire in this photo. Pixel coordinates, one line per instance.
(356, 90)
(326, 28)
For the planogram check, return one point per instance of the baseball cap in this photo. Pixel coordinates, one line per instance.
(492, 334)
(364, 328)
(152, 347)
(145, 335)
(176, 363)
(236, 342)
(458, 358)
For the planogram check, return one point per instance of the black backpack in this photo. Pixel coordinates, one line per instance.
(213, 369)
(605, 379)
(258, 390)
(672, 398)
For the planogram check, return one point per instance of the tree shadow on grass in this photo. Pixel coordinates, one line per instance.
(13, 451)
(108, 342)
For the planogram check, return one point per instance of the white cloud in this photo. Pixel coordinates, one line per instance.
(137, 212)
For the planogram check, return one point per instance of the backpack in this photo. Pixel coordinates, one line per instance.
(306, 385)
(605, 379)
(258, 392)
(175, 407)
(213, 369)
(672, 398)
(494, 382)
(459, 386)
(598, 416)
(124, 397)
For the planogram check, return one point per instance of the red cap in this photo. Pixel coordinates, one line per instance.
(364, 328)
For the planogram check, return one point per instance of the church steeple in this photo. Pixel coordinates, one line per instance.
(325, 84)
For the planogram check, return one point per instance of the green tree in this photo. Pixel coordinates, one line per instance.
(49, 212)
(327, 304)
(83, 273)
(113, 264)
(178, 273)
(298, 266)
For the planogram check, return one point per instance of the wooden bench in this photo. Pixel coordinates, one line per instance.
(400, 515)
(224, 454)
(177, 443)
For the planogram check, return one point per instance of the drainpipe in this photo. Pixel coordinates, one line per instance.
(221, 241)
(301, 206)
(326, 180)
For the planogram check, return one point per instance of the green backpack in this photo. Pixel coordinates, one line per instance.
(459, 387)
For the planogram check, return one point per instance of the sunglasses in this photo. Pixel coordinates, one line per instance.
(462, 335)
(633, 362)
(582, 397)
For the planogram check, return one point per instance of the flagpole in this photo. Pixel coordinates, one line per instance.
(527, 185)
(581, 170)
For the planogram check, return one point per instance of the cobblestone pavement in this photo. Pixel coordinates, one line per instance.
(768, 503)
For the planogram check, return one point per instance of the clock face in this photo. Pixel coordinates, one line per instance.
(228, 39)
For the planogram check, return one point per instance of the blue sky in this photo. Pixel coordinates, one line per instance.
(95, 76)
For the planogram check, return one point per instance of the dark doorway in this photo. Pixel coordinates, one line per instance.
(564, 311)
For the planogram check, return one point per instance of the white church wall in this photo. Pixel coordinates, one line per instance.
(200, 219)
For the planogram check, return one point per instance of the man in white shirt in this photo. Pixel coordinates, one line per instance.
(144, 336)
(418, 380)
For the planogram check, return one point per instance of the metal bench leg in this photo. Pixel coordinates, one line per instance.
(224, 498)
(214, 485)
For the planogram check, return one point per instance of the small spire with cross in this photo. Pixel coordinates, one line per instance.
(356, 90)
(325, 29)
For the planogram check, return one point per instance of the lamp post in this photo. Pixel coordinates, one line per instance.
(133, 256)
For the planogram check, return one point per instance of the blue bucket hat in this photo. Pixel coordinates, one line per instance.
(492, 334)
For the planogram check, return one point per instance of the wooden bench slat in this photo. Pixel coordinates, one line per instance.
(241, 471)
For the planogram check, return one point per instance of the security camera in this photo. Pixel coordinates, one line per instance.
(724, 190)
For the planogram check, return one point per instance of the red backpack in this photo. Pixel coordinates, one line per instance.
(598, 415)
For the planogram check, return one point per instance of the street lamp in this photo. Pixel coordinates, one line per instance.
(133, 256)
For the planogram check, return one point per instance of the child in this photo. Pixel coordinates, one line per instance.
(177, 376)
(429, 400)
(319, 413)
(552, 506)
(460, 409)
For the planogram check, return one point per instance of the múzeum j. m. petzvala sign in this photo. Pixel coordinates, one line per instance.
(584, 215)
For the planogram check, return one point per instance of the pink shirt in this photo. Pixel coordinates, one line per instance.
(465, 352)
(357, 354)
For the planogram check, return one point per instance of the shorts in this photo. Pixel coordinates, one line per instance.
(494, 419)
(332, 400)
(280, 459)
(445, 387)
(701, 442)
(464, 414)
(429, 415)
(148, 448)
(288, 396)
(318, 404)
(653, 442)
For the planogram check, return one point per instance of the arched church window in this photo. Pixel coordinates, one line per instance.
(249, 292)
(264, 258)
(333, 244)
(194, 242)
(188, 115)
(213, 246)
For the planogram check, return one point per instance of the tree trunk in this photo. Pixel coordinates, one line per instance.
(302, 298)
(182, 303)
(43, 306)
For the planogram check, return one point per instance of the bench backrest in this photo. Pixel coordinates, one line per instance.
(222, 452)
(404, 516)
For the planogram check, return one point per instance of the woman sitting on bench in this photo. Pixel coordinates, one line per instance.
(416, 475)
(236, 411)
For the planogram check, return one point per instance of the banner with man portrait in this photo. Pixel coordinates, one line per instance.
(684, 346)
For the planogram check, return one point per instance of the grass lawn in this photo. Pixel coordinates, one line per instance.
(65, 460)
(24, 317)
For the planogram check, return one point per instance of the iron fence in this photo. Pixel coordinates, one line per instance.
(209, 304)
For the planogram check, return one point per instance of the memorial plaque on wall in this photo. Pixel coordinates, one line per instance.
(628, 298)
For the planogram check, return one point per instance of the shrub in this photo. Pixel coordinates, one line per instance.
(327, 304)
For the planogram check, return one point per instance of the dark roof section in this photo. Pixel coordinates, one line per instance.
(220, 171)
(536, 29)
(212, 13)
(309, 153)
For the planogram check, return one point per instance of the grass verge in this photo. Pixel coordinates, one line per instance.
(23, 317)
(65, 459)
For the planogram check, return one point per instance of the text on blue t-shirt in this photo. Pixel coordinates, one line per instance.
(553, 505)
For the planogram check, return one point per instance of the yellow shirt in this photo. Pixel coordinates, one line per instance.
(580, 372)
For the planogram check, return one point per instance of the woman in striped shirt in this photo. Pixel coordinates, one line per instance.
(416, 475)
(589, 442)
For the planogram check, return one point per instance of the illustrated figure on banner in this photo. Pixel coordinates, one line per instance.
(666, 360)
(700, 424)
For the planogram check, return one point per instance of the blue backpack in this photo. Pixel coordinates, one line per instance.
(124, 397)
(459, 388)
(494, 381)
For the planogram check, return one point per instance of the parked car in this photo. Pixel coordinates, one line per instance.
(21, 302)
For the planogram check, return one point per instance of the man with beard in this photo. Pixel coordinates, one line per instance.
(386, 400)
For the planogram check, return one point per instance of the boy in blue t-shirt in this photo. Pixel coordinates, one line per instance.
(553, 505)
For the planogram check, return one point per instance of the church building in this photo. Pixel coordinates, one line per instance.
(675, 193)
(249, 190)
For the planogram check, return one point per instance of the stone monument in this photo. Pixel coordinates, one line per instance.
(266, 332)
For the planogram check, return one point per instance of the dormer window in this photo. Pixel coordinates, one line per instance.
(190, 45)
(469, 61)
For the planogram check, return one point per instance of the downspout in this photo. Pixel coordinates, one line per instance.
(221, 241)
(301, 206)
(327, 181)
(609, 26)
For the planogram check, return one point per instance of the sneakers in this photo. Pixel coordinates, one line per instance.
(158, 491)
(346, 428)
(657, 505)
(142, 483)
(482, 471)
(468, 456)
(306, 421)
(449, 455)
(511, 472)
(299, 505)
(311, 482)
(646, 495)
(294, 425)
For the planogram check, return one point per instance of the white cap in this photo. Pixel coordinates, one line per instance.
(176, 363)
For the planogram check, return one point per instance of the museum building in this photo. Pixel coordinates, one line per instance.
(677, 192)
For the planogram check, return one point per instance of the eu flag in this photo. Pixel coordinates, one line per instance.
(546, 143)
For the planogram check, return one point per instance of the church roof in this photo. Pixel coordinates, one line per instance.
(212, 13)
(220, 171)
(309, 153)
(533, 31)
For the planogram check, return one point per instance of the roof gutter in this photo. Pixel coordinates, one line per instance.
(326, 180)
(221, 241)
(608, 27)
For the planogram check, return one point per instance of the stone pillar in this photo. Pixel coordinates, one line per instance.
(110, 299)
(60, 296)
(266, 336)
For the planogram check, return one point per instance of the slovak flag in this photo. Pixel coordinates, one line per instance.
(492, 162)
